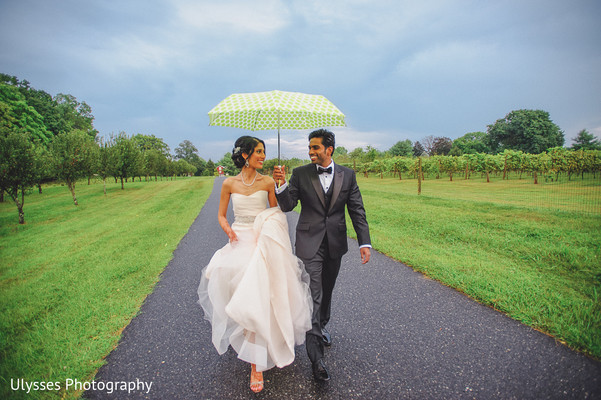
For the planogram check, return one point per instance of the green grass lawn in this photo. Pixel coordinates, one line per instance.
(518, 247)
(73, 277)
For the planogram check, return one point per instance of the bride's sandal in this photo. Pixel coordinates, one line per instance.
(256, 379)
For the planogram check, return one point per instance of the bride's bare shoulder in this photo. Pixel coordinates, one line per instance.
(230, 181)
(266, 180)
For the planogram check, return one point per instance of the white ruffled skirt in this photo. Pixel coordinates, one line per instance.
(255, 293)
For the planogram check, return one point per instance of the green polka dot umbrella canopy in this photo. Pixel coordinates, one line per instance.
(276, 110)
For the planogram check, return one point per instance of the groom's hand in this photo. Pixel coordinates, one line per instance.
(279, 174)
(365, 254)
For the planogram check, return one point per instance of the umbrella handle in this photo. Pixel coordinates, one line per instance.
(279, 182)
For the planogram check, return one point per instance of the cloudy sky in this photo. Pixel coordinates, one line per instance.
(397, 69)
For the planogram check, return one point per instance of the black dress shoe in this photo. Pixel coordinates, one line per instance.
(320, 373)
(327, 338)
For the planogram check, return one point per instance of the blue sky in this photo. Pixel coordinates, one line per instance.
(397, 69)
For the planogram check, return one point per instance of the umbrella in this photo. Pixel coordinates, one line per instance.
(276, 110)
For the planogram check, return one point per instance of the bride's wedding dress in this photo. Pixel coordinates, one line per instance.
(254, 291)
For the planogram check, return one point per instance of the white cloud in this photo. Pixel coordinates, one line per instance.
(455, 59)
(259, 17)
(133, 53)
(399, 69)
(295, 143)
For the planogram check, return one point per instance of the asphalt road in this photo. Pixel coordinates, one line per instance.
(396, 335)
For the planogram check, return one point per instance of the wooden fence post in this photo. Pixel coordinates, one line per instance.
(419, 176)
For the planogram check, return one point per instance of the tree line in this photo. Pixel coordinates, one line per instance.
(550, 164)
(524, 141)
(527, 131)
(52, 138)
(47, 138)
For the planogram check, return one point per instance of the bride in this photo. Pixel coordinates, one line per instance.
(254, 291)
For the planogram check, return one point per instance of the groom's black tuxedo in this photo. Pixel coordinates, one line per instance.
(321, 235)
(315, 221)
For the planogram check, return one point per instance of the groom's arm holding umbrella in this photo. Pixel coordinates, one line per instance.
(287, 199)
(288, 196)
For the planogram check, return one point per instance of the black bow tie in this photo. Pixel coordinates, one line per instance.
(321, 170)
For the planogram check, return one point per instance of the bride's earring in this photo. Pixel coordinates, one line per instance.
(246, 163)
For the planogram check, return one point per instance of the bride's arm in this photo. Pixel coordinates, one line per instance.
(273, 201)
(226, 191)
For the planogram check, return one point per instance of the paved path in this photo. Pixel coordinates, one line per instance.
(396, 335)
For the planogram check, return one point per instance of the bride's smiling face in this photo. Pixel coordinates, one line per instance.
(257, 158)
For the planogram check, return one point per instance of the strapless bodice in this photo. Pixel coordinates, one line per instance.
(246, 207)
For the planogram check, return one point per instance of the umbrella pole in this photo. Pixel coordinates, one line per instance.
(279, 165)
(278, 137)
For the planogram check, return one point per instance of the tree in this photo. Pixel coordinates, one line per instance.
(128, 158)
(17, 115)
(530, 131)
(200, 165)
(428, 144)
(154, 155)
(340, 151)
(289, 164)
(441, 146)
(72, 155)
(229, 167)
(586, 141)
(91, 166)
(470, 143)
(43, 103)
(187, 151)
(418, 149)
(18, 167)
(356, 155)
(371, 153)
(106, 160)
(183, 167)
(60, 114)
(147, 142)
(210, 168)
(74, 115)
(45, 166)
(402, 148)
(154, 162)
(486, 163)
(402, 164)
(449, 165)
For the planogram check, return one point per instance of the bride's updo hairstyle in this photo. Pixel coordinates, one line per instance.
(244, 144)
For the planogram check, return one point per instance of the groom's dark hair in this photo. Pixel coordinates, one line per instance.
(327, 138)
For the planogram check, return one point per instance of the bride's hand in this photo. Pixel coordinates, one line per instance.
(232, 235)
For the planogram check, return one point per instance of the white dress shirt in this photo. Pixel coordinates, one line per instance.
(326, 179)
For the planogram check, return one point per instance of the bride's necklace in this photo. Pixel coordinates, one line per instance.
(249, 184)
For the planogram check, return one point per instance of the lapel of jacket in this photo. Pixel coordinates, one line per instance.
(337, 185)
(317, 185)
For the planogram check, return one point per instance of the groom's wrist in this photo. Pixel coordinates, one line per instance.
(281, 188)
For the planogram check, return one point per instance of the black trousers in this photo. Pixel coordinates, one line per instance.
(323, 272)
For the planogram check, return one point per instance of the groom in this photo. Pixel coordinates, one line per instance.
(324, 190)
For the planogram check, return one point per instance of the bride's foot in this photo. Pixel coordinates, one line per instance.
(256, 379)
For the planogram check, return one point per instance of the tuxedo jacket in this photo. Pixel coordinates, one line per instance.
(315, 221)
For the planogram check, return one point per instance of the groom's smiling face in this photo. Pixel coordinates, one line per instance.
(318, 153)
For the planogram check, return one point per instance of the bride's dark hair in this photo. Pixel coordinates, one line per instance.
(244, 144)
